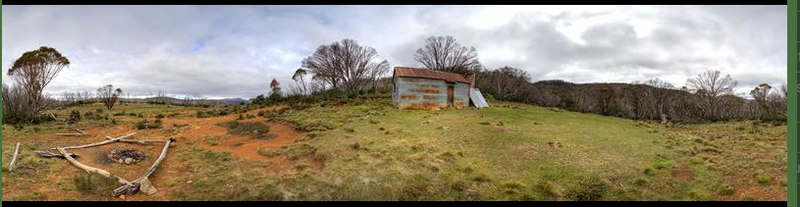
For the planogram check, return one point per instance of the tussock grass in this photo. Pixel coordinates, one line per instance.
(236, 127)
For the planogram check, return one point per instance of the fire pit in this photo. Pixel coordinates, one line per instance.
(128, 156)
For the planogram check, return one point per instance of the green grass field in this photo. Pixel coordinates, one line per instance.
(367, 150)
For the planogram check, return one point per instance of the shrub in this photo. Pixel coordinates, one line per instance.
(74, 116)
(236, 127)
(589, 189)
(548, 190)
(762, 178)
(159, 116)
(268, 153)
(145, 125)
(93, 184)
(17, 117)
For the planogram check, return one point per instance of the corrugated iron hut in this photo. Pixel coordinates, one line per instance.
(427, 89)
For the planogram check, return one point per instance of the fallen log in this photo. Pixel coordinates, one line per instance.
(144, 141)
(47, 154)
(143, 183)
(14, 159)
(99, 143)
(54, 117)
(80, 133)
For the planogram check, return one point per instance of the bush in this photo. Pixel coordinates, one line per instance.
(589, 189)
(145, 125)
(74, 116)
(159, 116)
(17, 117)
(235, 127)
(93, 184)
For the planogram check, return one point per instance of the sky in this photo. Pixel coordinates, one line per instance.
(235, 51)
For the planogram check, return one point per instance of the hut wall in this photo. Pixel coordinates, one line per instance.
(420, 93)
(460, 95)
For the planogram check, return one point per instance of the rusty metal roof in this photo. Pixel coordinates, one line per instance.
(432, 74)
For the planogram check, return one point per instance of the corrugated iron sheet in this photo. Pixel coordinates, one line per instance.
(477, 98)
(422, 93)
(431, 74)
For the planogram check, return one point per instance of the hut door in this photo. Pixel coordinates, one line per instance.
(450, 95)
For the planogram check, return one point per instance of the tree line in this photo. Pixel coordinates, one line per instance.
(708, 96)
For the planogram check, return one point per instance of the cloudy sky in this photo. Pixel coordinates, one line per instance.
(235, 51)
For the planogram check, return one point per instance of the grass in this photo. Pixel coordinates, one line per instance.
(237, 127)
(563, 155)
(367, 150)
(94, 184)
(144, 124)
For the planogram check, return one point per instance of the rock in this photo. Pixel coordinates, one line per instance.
(147, 188)
(188, 182)
(122, 197)
(128, 160)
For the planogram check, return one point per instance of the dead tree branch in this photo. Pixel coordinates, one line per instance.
(14, 159)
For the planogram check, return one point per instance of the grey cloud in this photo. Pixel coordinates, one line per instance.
(234, 51)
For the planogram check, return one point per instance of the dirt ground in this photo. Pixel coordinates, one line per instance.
(187, 130)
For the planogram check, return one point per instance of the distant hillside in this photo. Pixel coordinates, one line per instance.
(234, 101)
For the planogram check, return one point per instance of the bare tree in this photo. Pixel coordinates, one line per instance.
(108, 95)
(15, 104)
(34, 70)
(346, 65)
(445, 54)
(779, 100)
(658, 96)
(299, 78)
(318, 83)
(709, 86)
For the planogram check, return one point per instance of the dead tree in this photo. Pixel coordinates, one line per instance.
(108, 95)
(445, 54)
(346, 65)
(709, 86)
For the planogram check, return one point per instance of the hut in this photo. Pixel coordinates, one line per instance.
(428, 89)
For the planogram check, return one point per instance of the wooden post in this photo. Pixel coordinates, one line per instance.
(14, 159)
